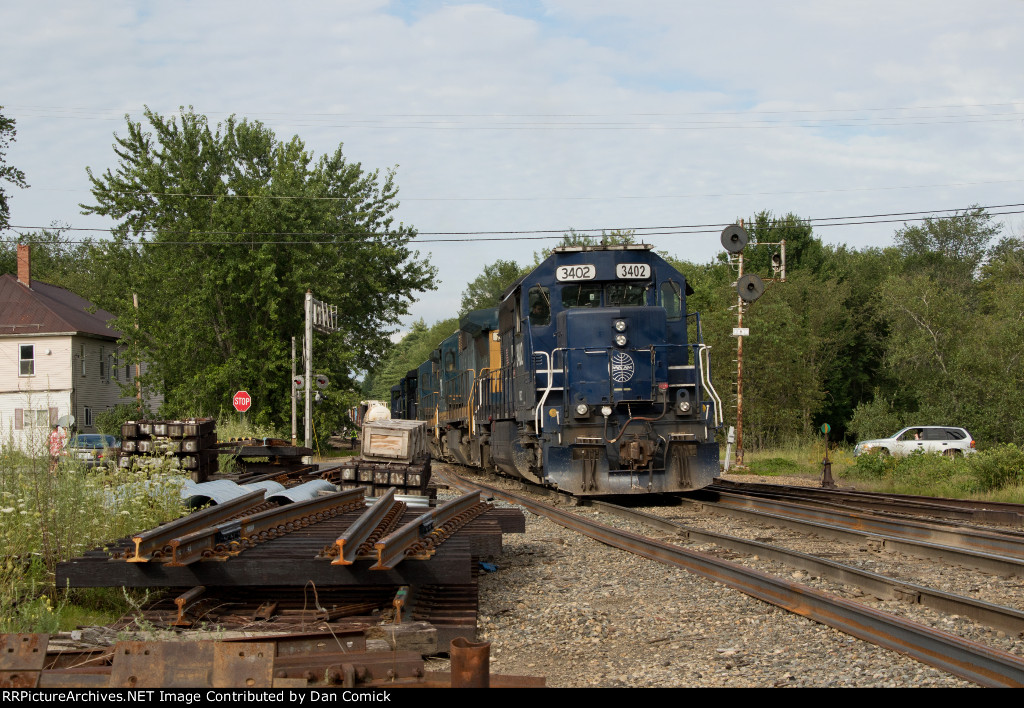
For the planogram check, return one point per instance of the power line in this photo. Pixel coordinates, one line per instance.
(535, 234)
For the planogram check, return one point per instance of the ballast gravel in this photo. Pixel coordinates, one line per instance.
(582, 614)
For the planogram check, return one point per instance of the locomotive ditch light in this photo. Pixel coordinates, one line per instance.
(620, 340)
(620, 325)
(606, 411)
(582, 409)
(684, 406)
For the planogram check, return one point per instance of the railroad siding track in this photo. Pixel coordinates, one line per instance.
(895, 636)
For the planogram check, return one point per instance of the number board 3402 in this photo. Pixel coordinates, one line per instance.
(632, 271)
(575, 272)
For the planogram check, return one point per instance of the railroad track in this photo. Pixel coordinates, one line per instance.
(969, 659)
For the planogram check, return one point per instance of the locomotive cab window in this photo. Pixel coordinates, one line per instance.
(671, 299)
(449, 361)
(585, 295)
(624, 295)
(540, 306)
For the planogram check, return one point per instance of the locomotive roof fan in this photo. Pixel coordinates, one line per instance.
(734, 238)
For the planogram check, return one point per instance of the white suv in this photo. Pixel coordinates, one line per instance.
(927, 438)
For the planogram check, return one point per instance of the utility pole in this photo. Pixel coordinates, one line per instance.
(294, 392)
(324, 318)
(749, 287)
(307, 353)
(739, 368)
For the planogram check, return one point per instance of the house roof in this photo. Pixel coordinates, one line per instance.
(47, 309)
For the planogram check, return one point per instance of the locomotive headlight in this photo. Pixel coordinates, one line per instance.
(620, 325)
(582, 409)
(606, 411)
(620, 339)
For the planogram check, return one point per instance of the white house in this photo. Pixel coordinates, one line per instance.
(58, 357)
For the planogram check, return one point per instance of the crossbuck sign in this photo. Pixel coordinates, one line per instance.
(323, 316)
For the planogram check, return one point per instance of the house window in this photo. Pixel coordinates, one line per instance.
(27, 360)
(113, 366)
(88, 417)
(37, 419)
(103, 365)
(81, 357)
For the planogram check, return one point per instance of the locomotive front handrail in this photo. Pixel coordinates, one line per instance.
(540, 404)
(702, 361)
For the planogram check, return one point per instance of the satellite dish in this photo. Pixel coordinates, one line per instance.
(750, 287)
(66, 421)
(734, 238)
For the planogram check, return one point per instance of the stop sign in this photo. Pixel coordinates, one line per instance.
(241, 401)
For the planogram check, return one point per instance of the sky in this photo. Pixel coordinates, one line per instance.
(671, 117)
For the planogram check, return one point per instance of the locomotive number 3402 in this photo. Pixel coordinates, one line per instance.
(632, 271)
(575, 272)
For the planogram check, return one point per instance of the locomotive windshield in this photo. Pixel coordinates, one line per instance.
(583, 295)
(615, 295)
(624, 294)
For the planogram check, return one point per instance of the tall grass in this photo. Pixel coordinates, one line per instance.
(237, 426)
(796, 459)
(51, 516)
(995, 474)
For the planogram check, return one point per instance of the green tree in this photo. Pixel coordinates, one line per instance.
(413, 349)
(221, 232)
(8, 173)
(950, 337)
(609, 238)
(487, 288)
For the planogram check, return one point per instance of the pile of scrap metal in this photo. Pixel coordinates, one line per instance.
(180, 444)
(309, 660)
(323, 548)
(392, 453)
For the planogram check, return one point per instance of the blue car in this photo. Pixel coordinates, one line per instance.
(93, 449)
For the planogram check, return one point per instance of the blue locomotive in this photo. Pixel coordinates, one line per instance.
(590, 376)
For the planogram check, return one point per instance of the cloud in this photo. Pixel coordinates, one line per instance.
(549, 115)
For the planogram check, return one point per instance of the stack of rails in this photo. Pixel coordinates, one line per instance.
(335, 542)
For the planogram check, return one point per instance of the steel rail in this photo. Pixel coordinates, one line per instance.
(881, 586)
(393, 548)
(1000, 513)
(355, 535)
(150, 543)
(904, 537)
(968, 660)
(192, 547)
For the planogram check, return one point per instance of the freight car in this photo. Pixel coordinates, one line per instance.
(591, 377)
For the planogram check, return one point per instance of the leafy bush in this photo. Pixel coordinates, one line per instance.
(872, 466)
(875, 419)
(997, 467)
(109, 421)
